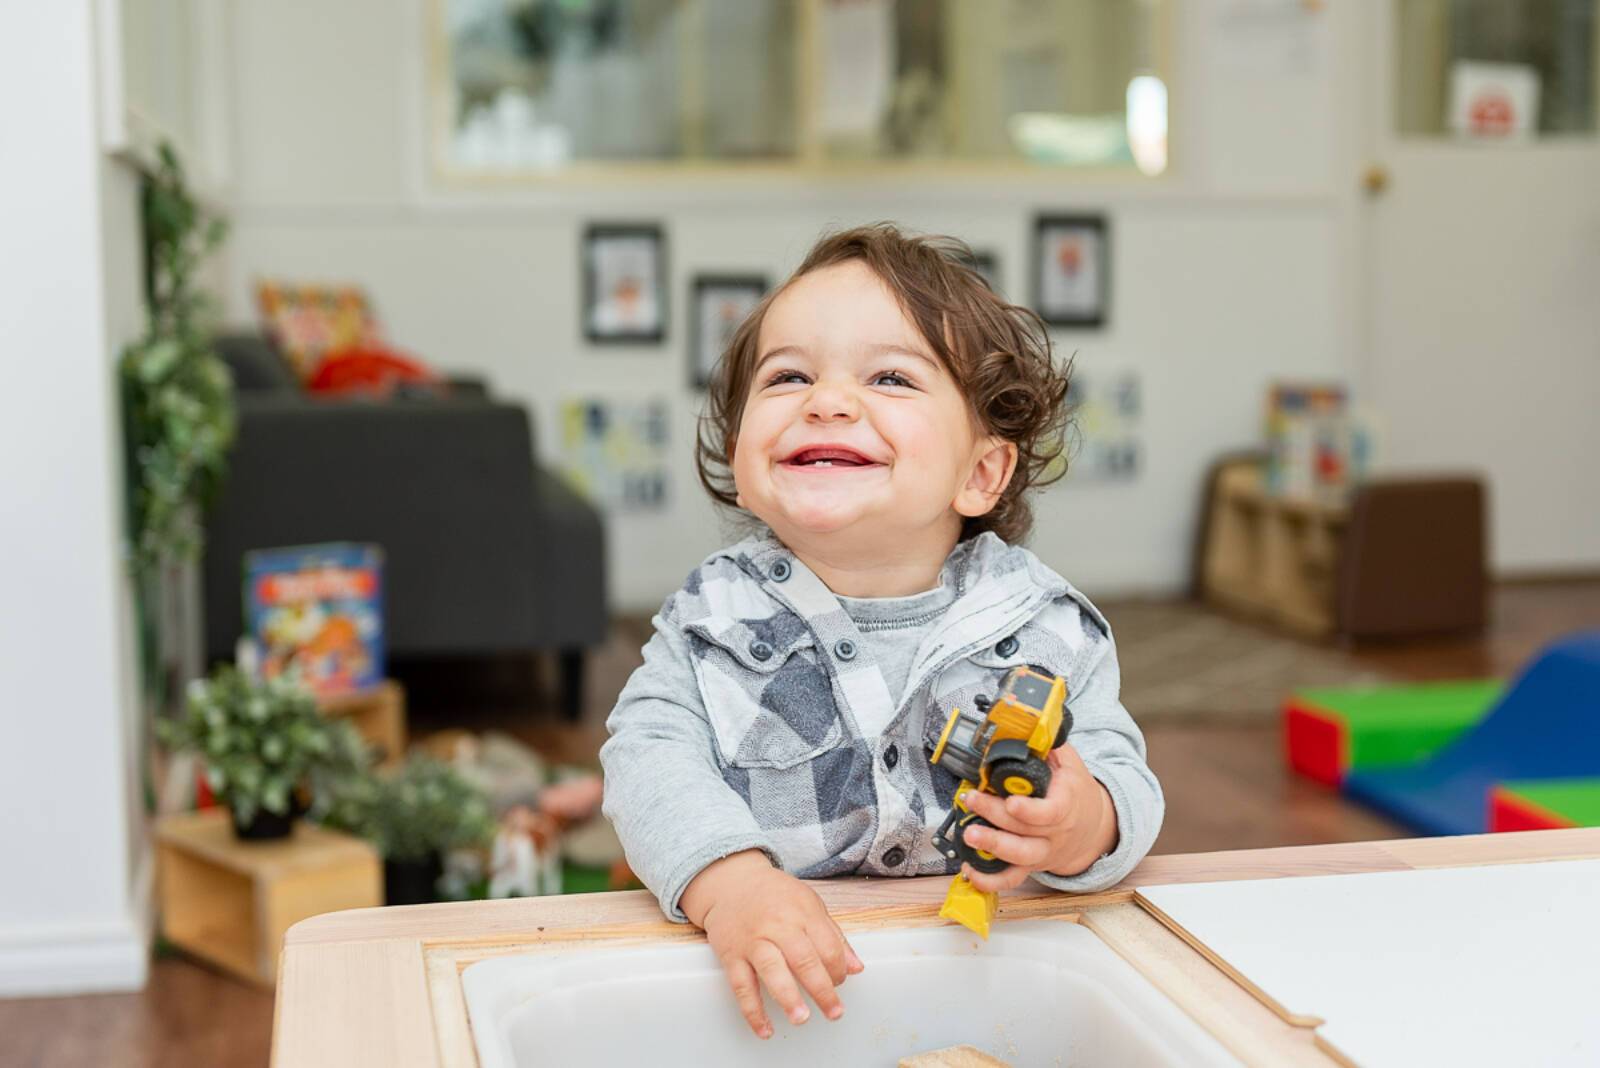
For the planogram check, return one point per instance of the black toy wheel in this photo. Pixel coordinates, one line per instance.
(1024, 778)
(987, 863)
(1063, 730)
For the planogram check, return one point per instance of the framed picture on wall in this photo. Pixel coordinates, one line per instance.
(624, 283)
(718, 303)
(1071, 270)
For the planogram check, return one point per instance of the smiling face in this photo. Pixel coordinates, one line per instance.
(854, 440)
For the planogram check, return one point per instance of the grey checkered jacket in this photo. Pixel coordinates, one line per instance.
(758, 721)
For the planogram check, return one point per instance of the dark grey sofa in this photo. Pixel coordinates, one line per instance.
(485, 551)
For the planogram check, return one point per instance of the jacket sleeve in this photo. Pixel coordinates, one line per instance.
(664, 792)
(1113, 749)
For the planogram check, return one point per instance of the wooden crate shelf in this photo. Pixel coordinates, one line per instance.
(229, 902)
(379, 714)
(1270, 557)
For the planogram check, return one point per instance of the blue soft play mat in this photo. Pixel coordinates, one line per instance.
(1547, 726)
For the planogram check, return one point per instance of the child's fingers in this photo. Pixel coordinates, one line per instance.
(1035, 812)
(747, 992)
(829, 940)
(993, 809)
(805, 963)
(1003, 880)
(1026, 850)
(853, 963)
(1051, 809)
(773, 969)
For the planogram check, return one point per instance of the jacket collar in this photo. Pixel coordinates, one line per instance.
(984, 557)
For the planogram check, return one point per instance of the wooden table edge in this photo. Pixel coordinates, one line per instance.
(324, 1031)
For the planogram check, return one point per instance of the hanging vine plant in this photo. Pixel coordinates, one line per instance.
(177, 394)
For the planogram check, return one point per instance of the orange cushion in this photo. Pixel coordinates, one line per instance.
(309, 321)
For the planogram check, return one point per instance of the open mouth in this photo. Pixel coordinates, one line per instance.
(822, 457)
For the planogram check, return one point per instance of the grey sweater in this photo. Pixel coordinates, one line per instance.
(892, 629)
(762, 718)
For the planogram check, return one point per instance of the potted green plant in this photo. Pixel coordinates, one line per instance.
(414, 817)
(264, 744)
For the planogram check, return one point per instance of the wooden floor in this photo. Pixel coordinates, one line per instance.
(1226, 788)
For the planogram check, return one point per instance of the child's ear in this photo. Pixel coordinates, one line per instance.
(992, 469)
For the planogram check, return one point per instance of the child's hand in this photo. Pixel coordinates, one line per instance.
(765, 924)
(1062, 833)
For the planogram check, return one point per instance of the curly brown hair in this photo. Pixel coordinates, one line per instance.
(998, 353)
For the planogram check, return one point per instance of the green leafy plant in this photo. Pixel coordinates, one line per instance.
(262, 741)
(424, 808)
(177, 394)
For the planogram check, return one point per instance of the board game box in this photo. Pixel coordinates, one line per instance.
(318, 609)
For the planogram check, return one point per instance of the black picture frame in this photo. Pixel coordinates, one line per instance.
(594, 255)
(705, 349)
(1054, 296)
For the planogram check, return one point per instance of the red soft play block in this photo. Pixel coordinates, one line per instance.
(1508, 812)
(1315, 742)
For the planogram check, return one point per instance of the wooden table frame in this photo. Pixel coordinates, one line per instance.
(382, 986)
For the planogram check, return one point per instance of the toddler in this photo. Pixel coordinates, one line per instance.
(882, 414)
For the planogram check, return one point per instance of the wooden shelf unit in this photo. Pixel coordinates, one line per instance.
(1406, 556)
(1270, 557)
(229, 901)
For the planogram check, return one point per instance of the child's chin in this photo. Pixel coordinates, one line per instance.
(817, 521)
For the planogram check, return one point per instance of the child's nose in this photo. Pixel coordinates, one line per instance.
(831, 400)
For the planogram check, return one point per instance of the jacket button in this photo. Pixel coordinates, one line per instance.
(844, 649)
(780, 571)
(760, 650)
(893, 857)
(1008, 646)
(891, 756)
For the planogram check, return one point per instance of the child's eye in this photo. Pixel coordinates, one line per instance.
(893, 378)
(785, 376)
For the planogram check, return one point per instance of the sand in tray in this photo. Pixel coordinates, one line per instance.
(953, 1057)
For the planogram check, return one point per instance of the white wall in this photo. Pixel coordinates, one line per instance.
(1494, 364)
(1258, 258)
(1485, 328)
(1225, 276)
(73, 901)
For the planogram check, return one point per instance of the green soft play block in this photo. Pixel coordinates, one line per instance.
(578, 879)
(1577, 800)
(1390, 725)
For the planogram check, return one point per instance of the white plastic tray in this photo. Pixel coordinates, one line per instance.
(1040, 992)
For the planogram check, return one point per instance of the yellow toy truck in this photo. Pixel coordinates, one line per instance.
(1000, 751)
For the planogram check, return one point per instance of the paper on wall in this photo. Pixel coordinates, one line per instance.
(1070, 282)
(614, 451)
(1493, 101)
(1105, 417)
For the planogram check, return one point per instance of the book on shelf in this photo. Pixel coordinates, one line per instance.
(1316, 450)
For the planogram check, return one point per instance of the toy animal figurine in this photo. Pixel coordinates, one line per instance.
(999, 751)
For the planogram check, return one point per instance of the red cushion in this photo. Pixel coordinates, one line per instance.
(368, 369)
